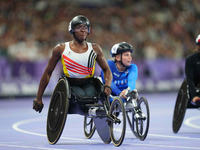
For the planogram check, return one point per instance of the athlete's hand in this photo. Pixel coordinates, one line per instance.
(196, 98)
(38, 105)
(107, 90)
(123, 94)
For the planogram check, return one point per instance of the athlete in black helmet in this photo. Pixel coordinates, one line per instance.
(78, 58)
(192, 71)
(74, 25)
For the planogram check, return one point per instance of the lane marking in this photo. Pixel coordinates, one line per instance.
(175, 137)
(147, 145)
(166, 146)
(189, 121)
(30, 147)
(16, 125)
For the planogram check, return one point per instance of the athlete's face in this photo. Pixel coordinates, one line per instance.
(126, 58)
(81, 32)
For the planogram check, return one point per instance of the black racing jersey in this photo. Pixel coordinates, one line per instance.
(192, 71)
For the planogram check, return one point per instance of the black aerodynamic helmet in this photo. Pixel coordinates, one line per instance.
(198, 40)
(120, 48)
(80, 19)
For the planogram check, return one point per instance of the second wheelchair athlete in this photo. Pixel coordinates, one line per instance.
(125, 73)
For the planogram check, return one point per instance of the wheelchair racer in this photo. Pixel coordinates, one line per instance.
(124, 72)
(78, 58)
(192, 71)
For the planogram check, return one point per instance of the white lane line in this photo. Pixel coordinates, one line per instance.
(166, 146)
(147, 145)
(16, 125)
(30, 147)
(175, 137)
(189, 123)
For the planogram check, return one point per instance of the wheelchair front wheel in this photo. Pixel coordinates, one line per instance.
(117, 127)
(89, 127)
(142, 125)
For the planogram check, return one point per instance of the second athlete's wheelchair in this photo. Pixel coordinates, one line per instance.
(183, 102)
(109, 120)
(139, 125)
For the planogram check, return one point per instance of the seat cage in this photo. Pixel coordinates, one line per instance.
(81, 105)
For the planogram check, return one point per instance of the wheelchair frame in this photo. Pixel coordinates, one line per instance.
(139, 127)
(64, 102)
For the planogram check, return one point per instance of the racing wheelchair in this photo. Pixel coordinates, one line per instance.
(109, 119)
(139, 124)
(183, 102)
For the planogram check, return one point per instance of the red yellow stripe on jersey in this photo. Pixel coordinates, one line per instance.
(76, 68)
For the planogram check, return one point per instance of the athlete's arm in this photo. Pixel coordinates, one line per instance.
(132, 76)
(104, 66)
(115, 89)
(55, 57)
(189, 75)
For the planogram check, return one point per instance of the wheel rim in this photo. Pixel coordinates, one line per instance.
(89, 127)
(131, 121)
(55, 111)
(117, 128)
(142, 125)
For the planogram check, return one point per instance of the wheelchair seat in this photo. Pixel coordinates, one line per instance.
(81, 104)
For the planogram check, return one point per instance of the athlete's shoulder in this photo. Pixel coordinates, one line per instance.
(97, 48)
(58, 49)
(110, 62)
(94, 45)
(191, 57)
(60, 46)
(133, 66)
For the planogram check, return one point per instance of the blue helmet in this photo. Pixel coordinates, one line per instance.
(120, 48)
(80, 19)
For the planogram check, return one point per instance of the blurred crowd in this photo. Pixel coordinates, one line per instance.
(29, 29)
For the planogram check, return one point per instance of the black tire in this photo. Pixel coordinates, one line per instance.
(118, 127)
(89, 127)
(57, 113)
(180, 107)
(142, 125)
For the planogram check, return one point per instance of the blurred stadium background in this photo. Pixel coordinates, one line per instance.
(162, 33)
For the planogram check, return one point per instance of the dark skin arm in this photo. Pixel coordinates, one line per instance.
(104, 66)
(55, 57)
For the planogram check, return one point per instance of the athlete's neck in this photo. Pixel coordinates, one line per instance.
(120, 67)
(78, 47)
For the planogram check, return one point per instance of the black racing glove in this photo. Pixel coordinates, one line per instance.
(37, 107)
